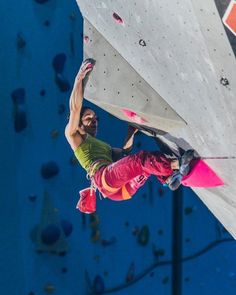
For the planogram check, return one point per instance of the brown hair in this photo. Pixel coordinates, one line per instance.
(82, 111)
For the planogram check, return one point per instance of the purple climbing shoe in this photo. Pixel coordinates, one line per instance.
(175, 181)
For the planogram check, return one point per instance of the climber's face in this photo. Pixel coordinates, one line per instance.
(89, 122)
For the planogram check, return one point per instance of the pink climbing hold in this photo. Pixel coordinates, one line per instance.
(86, 39)
(201, 175)
(133, 116)
(117, 18)
(89, 66)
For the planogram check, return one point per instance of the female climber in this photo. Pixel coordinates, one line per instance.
(115, 174)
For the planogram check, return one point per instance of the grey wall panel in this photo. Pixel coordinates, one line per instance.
(114, 85)
(189, 62)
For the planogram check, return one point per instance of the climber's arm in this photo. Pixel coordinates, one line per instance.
(73, 131)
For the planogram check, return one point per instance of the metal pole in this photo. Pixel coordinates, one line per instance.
(177, 220)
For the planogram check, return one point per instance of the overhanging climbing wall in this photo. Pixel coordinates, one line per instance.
(127, 88)
(170, 66)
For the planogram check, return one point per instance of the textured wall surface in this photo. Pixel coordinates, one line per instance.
(184, 63)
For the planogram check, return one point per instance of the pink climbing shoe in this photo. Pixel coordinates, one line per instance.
(87, 201)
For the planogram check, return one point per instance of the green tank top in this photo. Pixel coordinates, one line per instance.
(92, 150)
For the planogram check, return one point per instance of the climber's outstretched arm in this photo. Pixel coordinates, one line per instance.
(72, 130)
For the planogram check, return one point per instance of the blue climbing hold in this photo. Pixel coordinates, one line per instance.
(20, 120)
(49, 170)
(62, 83)
(98, 285)
(50, 234)
(143, 236)
(58, 62)
(67, 227)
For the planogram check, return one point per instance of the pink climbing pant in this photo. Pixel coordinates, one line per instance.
(124, 177)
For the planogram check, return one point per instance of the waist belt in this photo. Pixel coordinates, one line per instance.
(114, 190)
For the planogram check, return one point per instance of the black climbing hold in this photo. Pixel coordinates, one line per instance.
(58, 62)
(117, 18)
(142, 42)
(49, 170)
(67, 227)
(224, 81)
(50, 234)
(20, 120)
(91, 61)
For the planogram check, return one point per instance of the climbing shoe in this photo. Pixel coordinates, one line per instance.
(175, 181)
(185, 161)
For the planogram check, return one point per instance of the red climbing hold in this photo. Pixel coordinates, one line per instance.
(201, 175)
(86, 39)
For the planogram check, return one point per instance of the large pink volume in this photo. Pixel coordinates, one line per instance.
(202, 175)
